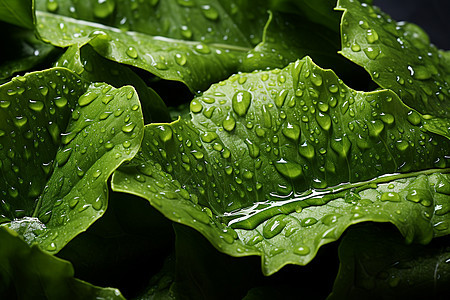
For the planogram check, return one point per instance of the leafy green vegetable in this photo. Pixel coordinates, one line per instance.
(398, 56)
(265, 145)
(61, 139)
(17, 12)
(308, 117)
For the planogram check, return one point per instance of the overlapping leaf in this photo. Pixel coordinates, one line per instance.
(289, 159)
(61, 138)
(202, 44)
(89, 65)
(398, 56)
(17, 12)
(30, 273)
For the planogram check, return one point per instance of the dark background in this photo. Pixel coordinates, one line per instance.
(432, 15)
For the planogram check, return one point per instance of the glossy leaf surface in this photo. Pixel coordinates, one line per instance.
(61, 139)
(270, 154)
(398, 56)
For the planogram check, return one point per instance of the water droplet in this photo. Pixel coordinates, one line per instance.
(186, 32)
(308, 222)
(355, 47)
(208, 137)
(291, 131)
(51, 247)
(186, 3)
(421, 73)
(127, 128)
(196, 106)
(202, 48)
(330, 219)
(279, 101)
(324, 120)
(306, 150)
(63, 156)
(74, 201)
(180, 59)
(372, 53)
(316, 79)
(165, 133)
(341, 146)
(103, 8)
(60, 102)
(229, 123)
(274, 226)
(371, 36)
(52, 5)
(20, 121)
(210, 12)
(302, 250)
(131, 52)
(402, 145)
(87, 98)
(241, 102)
(253, 148)
(414, 118)
(288, 169)
(375, 128)
(388, 119)
(390, 196)
(36, 105)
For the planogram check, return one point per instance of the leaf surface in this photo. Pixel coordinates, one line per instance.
(202, 44)
(398, 56)
(17, 12)
(277, 163)
(61, 139)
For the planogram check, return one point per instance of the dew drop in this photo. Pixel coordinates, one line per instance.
(306, 150)
(274, 226)
(288, 169)
(127, 128)
(414, 118)
(302, 250)
(131, 52)
(103, 8)
(241, 102)
(180, 59)
(372, 53)
(229, 123)
(196, 106)
(210, 12)
(291, 131)
(253, 148)
(324, 120)
(87, 98)
(371, 36)
(36, 105)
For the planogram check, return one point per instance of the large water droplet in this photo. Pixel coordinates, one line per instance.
(229, 123)
(274, 226)
(210, 12)
(87, 98)
(241, 102)
(341, 146)
(288, 169)
(132, 52)
(324, 120)
(253, 148)
(291, 131)
(36, 105)
(306, 150)
(181, 59)
(371, 36)
(103, 8)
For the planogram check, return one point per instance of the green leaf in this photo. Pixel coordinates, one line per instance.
(17, 12)
(287, 38)
(90, 66)
(61, 139)
(201, 45)
(268, 156)
(398, 56)
(30, 273)
(371, 269)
